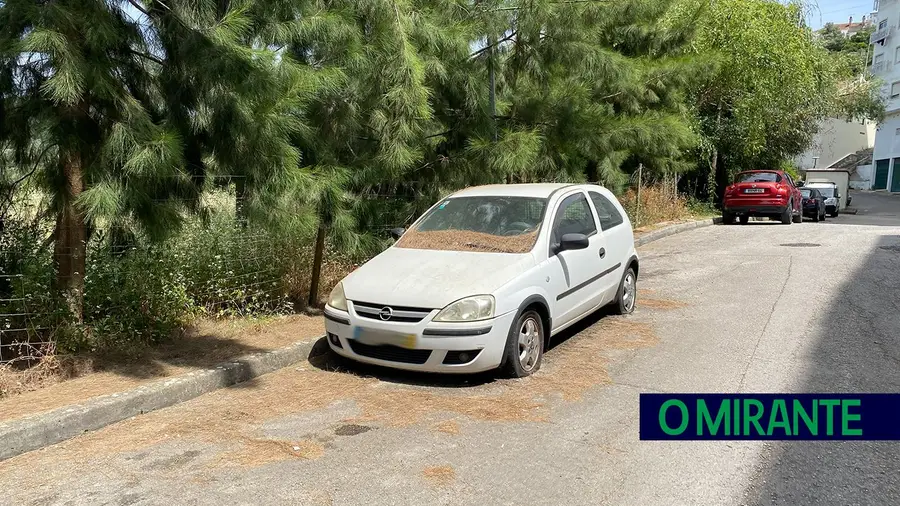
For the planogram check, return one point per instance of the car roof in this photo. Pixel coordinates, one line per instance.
(535, 190)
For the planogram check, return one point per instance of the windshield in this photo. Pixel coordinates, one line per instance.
(758, 177)
(486, 224)
(826, 192)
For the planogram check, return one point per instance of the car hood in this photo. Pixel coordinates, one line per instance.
(431, 279)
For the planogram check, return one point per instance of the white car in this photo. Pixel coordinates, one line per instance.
(485, 277)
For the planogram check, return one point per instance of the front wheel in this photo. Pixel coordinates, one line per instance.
(627, 296)
(524, 346)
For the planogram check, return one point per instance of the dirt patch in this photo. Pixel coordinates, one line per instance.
(351, 429)
(61, 381)
(439, 475)
(258, 452)
(447, 427)
(661, 304)
(463, 240)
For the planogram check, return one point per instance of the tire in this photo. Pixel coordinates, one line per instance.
(798, 218)
(787, 216)
(524, 346)
(835, 213)
(626, 298)
(745, 220)
(727, 218)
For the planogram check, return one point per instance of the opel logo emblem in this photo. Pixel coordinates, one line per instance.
(386, 313)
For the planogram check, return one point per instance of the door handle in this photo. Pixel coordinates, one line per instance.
(602, 253)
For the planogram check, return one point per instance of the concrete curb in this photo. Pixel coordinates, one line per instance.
(674, 229)
(37, 431)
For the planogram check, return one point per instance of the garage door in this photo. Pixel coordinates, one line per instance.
(895, 177)
(881, 174)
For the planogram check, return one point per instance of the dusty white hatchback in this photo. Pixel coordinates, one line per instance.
(485, 277)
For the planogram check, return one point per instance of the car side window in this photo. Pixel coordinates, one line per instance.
(790, 180)
(609, 216)
(573, 217)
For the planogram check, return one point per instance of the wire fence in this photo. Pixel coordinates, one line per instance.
(26, 331)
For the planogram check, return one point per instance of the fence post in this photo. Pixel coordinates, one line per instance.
(637, 212)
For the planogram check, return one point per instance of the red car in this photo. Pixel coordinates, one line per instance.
(762, 193)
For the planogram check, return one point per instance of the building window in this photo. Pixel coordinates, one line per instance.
(897, 58)
(880, 57)
(895, 90)
(897, 132)
(883, 25)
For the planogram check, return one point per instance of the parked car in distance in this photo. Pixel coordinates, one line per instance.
(813, 204)
(762, 193)
(832, 195)
(485, 277)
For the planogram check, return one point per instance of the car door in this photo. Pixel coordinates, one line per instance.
(618, 239)
(573, 273)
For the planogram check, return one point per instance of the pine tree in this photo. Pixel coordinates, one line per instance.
(127, 107)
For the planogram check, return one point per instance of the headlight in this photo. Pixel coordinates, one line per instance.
(337, 299)
(470, 309)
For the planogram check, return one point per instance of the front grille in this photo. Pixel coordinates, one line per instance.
(461, 357)
(390, 353)
(398, 313)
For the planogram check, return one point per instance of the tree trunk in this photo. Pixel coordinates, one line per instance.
(317, 267)
(70, 247)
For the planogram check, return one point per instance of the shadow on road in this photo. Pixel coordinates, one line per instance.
(860, 352)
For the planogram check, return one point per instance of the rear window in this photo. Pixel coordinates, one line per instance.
(806, 193)
(826, 192)
(758, 177)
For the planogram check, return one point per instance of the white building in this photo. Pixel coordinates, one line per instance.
(886, 65)
(836, 139)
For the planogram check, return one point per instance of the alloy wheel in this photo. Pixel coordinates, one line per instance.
(529, 344)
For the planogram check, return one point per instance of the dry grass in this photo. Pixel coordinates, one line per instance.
(60, 380)
(661, 304)
(439, 475)
(50, 370)
(447, 427)
(658, 204)
(258, 452)
(459, 240)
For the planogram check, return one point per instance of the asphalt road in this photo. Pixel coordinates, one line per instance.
(755, 308)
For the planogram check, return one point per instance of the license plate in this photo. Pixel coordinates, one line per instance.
(754, 190)
(381, 338)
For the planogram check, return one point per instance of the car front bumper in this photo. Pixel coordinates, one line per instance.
(425, 346)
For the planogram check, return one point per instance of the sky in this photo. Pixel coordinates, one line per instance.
(838, 11)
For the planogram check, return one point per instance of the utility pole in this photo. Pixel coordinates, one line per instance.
(637, 212)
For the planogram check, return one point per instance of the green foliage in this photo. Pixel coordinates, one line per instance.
(179, 129)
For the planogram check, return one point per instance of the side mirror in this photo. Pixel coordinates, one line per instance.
(573, 242)
(396, 233)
